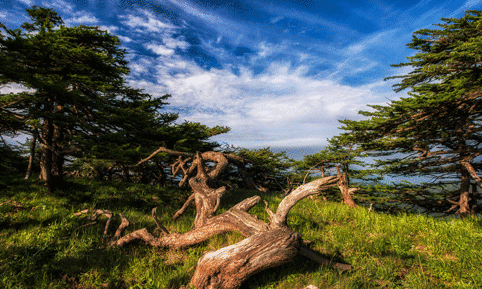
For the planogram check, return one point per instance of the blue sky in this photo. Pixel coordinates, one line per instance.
(279, 73)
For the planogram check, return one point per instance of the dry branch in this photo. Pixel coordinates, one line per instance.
(266, 245)
(230, 266)
(235, 219)
(345, 192)
(312, 188)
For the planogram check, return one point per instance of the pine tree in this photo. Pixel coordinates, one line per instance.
(436, 130)
(78, 92)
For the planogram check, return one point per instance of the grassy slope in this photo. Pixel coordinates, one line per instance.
(44, 246)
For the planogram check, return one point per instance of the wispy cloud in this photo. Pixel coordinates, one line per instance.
(276, 19)
(160, 49)
(281, 78)
(110, 28)
(145, 21)
(58, 5)
(312, 20)
(471, 4)
(280, 107)
(28, 2)
(197, 12)
(84, 18)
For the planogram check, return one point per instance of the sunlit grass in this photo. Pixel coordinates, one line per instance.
(45, 246)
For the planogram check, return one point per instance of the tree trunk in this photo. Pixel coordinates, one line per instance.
(343, 185)
(31, 159)
(46, 169)
(58, 167)
(266, 246)
(125, 173)
(235, 219)
(472, 172)
(229, 267)
(161, 179)
(46, 156)
(57, 156)
(464, 200)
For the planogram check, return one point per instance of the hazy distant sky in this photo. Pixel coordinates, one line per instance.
(279, 73)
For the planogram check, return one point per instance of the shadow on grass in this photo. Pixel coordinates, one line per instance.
(299, 265)
(100, 266)
(111, 263)
(113, 195)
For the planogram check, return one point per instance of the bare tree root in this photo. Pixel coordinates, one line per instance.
(266, 245)
(97, 213)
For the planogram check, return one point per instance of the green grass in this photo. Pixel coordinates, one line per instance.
(44, 246)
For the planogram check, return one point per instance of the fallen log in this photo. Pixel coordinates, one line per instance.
(266, 245)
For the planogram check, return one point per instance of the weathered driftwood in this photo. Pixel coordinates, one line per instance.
(235, 219)
(345, 191)
(230, 266)
(97, 213)
(266, 245)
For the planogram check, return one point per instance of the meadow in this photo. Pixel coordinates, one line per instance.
(43, 245)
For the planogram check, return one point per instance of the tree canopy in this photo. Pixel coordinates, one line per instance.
(435, 131)
(79, 103)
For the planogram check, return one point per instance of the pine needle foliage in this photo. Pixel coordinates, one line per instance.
(435, 131)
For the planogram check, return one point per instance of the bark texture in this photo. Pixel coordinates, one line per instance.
(31, 158)
(230, 266)
(266, 245)
(345, 191)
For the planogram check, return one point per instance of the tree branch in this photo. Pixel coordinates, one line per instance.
(312, 188)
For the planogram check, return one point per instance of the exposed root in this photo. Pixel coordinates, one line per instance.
(265, 246)
(97, 213)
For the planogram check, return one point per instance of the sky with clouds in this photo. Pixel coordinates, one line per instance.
(278, 73)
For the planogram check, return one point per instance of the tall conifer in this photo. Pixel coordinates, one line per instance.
(436, 130)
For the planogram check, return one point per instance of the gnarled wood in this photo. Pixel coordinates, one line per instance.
(230, 266)
(235, 219)
(312, 188)
(345, 192)
(266, 245)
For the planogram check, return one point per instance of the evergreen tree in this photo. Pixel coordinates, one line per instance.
(263, 169)
(435, 131)
(79, 92)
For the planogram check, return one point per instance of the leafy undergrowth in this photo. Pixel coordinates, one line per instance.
(44, 246)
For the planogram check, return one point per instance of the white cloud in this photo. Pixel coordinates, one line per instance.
(160, 49)
(170, 43)
(174, 43)
(28, 2)
(276, 19)
(110, 29)
(83, 18)
(146, 21)
(469, 4)
(198, 12)
(124, 38)
(279, 108)
(58, 5)
(266, 49)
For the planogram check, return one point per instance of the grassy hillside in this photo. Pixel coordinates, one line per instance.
(44, 246)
